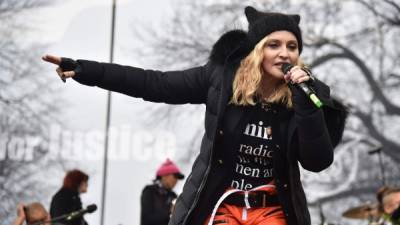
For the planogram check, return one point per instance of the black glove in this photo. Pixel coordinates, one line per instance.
(68, 64)
(301, 102)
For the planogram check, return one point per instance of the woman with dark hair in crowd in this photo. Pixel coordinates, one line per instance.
(67, 199)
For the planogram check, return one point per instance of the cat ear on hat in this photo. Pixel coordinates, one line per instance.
(251, 14)
(295, 17)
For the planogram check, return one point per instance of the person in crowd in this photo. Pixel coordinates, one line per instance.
(67, 199)
(32, 213)
(157, 200)
(389, 203)
(259, 124)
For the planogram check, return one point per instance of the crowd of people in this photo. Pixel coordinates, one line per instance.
(64, 202)
(158, 201)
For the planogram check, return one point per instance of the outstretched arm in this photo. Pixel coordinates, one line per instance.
(173, 87)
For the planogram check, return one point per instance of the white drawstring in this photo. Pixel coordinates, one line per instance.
(246, 200)
(244, 213)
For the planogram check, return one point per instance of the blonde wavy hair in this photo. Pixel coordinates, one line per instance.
(247, 82)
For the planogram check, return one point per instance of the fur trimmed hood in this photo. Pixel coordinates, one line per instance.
(227, 44)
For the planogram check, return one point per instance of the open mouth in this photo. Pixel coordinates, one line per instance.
(280, 63)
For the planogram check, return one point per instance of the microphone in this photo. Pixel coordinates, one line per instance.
(79, 213)
(69, 216)
(303, 86)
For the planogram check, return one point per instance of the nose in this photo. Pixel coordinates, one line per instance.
(284, 53)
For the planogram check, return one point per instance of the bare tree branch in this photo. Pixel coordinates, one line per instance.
(391, 148)
(350, 55)
(27, 107)
(395, 20)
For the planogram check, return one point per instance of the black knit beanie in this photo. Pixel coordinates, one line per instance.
(261, 24)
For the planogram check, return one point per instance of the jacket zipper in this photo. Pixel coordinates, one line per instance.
(202, 183)
(210, 160)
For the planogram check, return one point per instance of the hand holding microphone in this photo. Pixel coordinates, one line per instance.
(286, 67)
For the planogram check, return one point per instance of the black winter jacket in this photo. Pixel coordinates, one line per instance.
(309, 139)
(66, 201)
(156, 204)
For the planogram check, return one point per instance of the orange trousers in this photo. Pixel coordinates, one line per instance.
(233, 215)
(227, 214)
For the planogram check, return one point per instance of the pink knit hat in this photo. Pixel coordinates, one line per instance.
(168, 167)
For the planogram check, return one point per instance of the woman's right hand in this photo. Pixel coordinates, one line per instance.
(67, 67)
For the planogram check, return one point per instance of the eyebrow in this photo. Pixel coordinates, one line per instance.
(278, 40)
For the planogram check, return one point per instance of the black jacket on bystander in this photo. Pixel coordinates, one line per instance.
(66, 201)
(156, 205)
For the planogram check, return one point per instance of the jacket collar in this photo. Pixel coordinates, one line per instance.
(227, 52)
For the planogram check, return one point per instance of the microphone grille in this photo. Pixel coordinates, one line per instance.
(286, 67)
(91, 208)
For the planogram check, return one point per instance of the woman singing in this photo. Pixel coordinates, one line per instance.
(259, 125)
